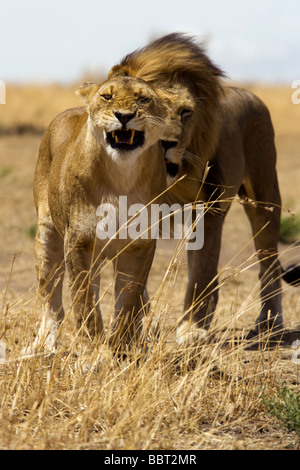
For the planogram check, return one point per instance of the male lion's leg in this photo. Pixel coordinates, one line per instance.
(265, 222)
(263, 210)
(50, 271)
(202, 291)
(84, 280)
(132, 270)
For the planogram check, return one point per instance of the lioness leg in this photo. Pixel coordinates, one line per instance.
(50, 270)
(265, 223)
(132, 271)
(202, 291)
(84, 280)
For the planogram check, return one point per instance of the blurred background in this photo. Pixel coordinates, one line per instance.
(60, 40)
(48, 48)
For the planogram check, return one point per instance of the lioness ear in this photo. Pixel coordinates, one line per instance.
(87, 90)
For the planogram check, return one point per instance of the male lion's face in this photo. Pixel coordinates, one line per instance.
(125, 115)
(180, 124)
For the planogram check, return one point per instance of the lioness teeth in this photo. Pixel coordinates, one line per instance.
(123, 136)
(132, 136)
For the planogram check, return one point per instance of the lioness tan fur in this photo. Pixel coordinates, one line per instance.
(231, 129)
(90, 156)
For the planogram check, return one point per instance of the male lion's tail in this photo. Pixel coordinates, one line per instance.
(291, 275)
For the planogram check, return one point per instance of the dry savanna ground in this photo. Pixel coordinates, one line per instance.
(82, 397)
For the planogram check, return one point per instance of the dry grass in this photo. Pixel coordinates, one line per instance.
(83, 398)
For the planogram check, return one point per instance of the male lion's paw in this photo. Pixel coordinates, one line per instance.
(102, 360)
(40, 346)
(36, 350)
(190, 333)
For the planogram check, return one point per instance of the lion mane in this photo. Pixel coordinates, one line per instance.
(177, 60)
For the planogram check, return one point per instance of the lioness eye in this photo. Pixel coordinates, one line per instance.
(107, 97)
(186, 112)
(143, 99)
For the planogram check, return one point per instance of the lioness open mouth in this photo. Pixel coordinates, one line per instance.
(125, 139)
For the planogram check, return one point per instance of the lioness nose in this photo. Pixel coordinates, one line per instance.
(124, 117)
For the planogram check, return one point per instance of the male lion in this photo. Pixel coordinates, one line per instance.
(90, 156)
(231, 129)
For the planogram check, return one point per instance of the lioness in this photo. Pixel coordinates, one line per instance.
(231, 129)
(90, 156)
